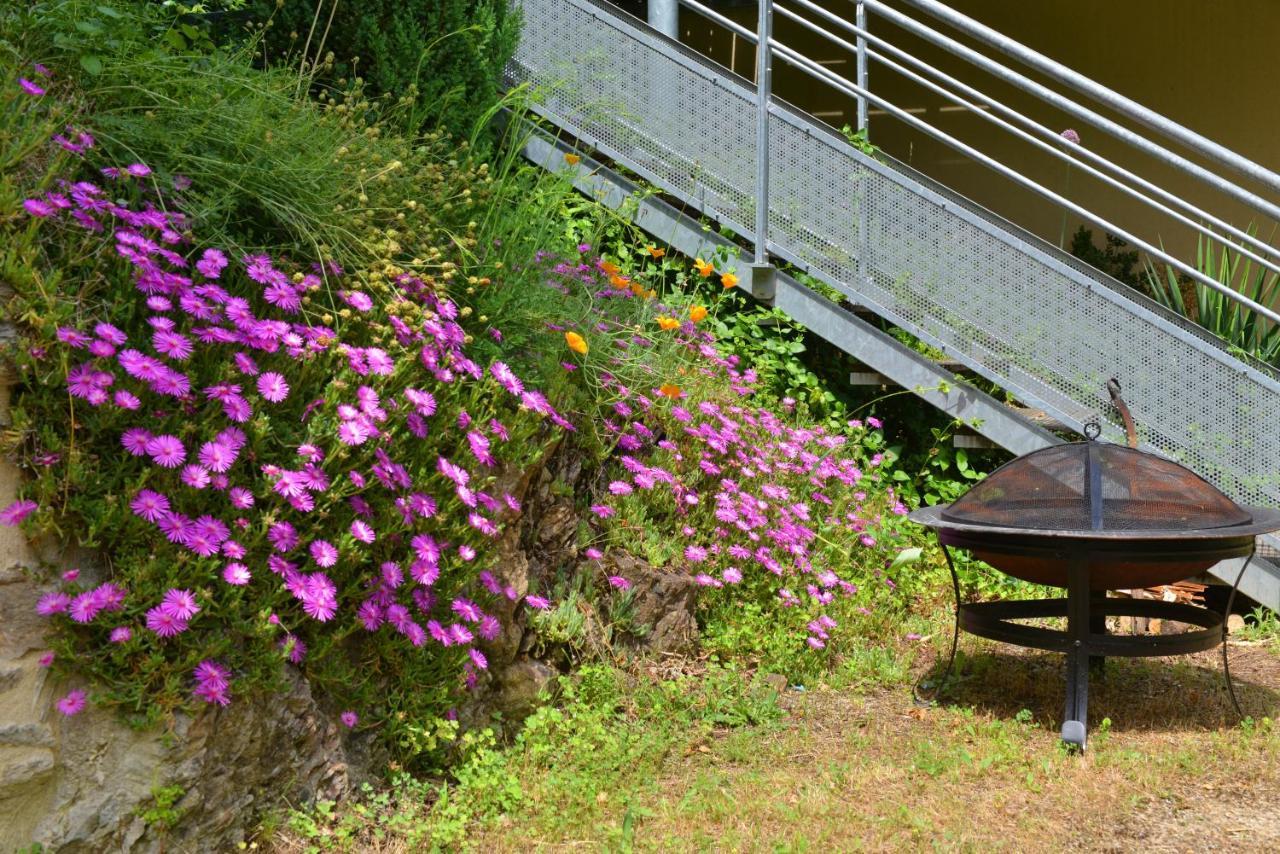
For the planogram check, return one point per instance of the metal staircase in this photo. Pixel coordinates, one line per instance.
(1014, 309)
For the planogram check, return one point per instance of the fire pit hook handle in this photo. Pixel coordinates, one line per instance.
(1113, 388)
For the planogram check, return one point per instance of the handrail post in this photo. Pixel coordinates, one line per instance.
(863, 267)
(664, 16)
(860, 19)
(762, 272)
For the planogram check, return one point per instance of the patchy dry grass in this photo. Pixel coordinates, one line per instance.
(856, 765)
(878, 773)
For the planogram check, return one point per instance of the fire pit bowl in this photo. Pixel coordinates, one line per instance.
(1092, 517)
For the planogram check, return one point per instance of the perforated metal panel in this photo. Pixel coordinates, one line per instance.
(1045, 327)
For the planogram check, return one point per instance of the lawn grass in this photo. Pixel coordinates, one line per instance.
(708, 758)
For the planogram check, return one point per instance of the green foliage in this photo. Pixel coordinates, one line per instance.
(945, 474)
(1261, 625)
(63, 276)
(162, 814)
(777, 347)
(266, 167)
(859, 140)
(1115, 258)
(1242, 328)
(607, 739)
(450, 53)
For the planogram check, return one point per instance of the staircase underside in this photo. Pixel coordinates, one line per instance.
(1012, 309)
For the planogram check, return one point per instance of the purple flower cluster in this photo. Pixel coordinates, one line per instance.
(212, 683)
(267, 439)
(749, 491)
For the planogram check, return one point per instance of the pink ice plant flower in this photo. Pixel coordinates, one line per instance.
(72, 703)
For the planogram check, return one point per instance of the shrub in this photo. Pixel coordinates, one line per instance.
(264, 165)
(711, 481)
(451, 53)
(279, 461)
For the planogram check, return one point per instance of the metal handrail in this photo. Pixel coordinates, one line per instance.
(1065, 155)
(1049, 96)
(1050, 134)
(850, 88)
(1143, 115)
(732, 26)
(861, 91)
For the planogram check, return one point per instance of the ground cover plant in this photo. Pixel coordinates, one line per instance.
(712, 759)
(292, 461)
(273, 457)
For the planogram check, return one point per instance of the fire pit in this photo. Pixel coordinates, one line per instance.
(1092, 517)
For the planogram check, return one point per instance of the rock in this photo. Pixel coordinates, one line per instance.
(665, 602)
(82, 783)
(1235, 623)
(520, 685)
(557, 527)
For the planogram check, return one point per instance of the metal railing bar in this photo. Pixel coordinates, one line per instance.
(764, 94)
(1084, 167)
(1143, 115)
(1061, 154)
(860, 50)
(1065, 104)
(1009, 112)
(835, 80)
(708, 12)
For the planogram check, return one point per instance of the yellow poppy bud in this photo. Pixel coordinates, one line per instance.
(576, 342)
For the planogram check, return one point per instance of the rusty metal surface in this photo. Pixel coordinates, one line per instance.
(1095, 486)
(1264, 520)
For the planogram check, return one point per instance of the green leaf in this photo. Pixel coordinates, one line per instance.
(91, 63)
(905, 557)
(91, 27)
(108, 12)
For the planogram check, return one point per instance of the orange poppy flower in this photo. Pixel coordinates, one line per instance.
(697, 313)
(609, 268)
(576, 342)
(668, 323)
(650, 294)
(669, 390)
(728, 280)
(656, 252)
(704, 268)
(637, 289)
(620, 282)
(572, 159)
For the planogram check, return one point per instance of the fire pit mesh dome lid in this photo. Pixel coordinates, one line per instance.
(1058, 488)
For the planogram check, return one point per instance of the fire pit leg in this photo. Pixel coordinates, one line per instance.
(955, 642)
(1226, 635)
(1097, 626)
(1077, 713)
